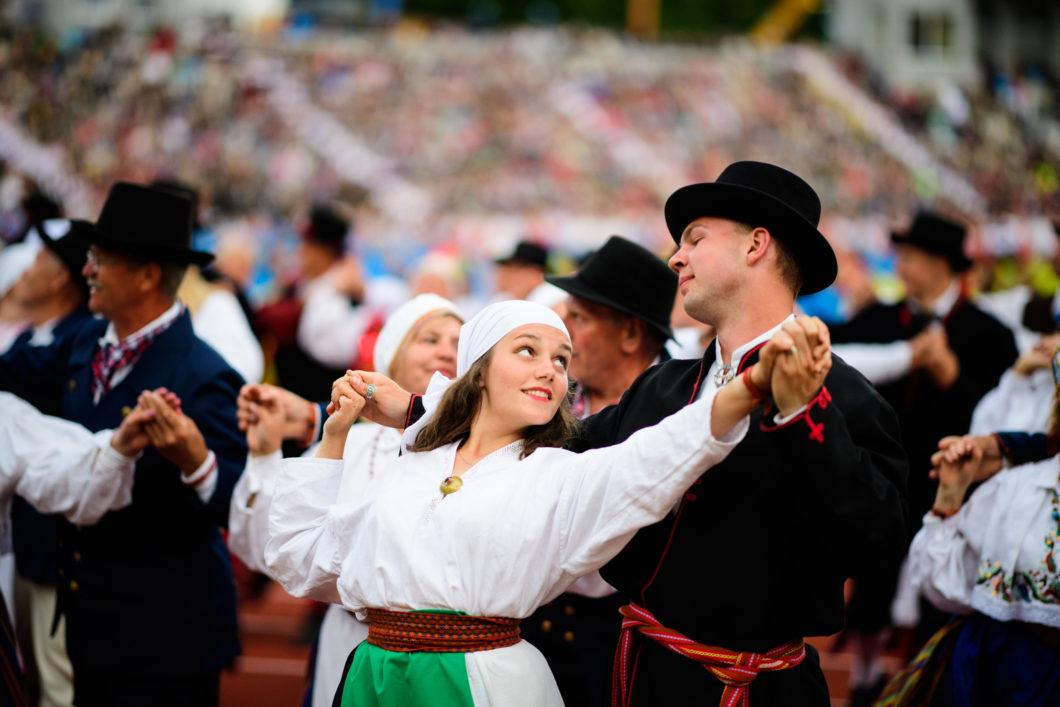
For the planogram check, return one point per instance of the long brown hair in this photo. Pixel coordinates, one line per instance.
(460, 404)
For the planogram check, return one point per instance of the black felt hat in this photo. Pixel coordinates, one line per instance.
(69, 241)
(760, 194)
(630, 278)
(526, 253)
(326, 227)
(148, 222)
(187, 191)
(937, 235)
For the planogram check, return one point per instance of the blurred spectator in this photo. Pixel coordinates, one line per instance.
(1027, 311)
(36, 208)
(517, 274)
(141, 243)
(55, 293)
(1023, 399)
(216, 314)
(14, 316)
(957, 353)
(618, 317)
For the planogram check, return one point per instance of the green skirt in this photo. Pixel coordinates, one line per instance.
(378, 677)
(381, 678)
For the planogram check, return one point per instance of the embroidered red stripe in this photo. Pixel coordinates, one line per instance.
(821, 400)
(408, 415)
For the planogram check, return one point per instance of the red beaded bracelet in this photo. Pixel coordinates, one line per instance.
(751, 387)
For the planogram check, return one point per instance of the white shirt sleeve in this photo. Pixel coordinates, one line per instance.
(614, 491)
(331, 327)
(59, 466)
(880, 363)
(591, 585)
(1021, 403)
(248, 518)
(944, 555)
(302, 554)
(221, 323)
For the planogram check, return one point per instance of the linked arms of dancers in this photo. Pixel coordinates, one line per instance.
(791, 370)
(61, 467)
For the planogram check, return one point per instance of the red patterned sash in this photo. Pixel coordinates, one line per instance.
(737, 670)
(420, 631)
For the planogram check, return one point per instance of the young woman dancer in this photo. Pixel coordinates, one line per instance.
(488, 517)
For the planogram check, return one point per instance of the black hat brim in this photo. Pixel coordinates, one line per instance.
(511, 260)
(159, 252)
(811, 250)
(958, 261)
(573, 286)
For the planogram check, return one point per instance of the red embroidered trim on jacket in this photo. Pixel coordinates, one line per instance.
(412, 402)
(821, 400)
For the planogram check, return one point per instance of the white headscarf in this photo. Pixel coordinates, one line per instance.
(480, 334)
(401, 323)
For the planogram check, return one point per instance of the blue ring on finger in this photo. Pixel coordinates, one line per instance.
(369, 391)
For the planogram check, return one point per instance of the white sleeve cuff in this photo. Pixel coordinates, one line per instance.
(203, 479)
(779, 419)
(110, 459)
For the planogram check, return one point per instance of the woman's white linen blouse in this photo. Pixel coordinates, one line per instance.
(369, 450)
(512, 538)
(998, 555)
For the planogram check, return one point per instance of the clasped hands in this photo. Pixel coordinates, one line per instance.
(158, 421)
(793, 364)
(932, 354)
(960, 462)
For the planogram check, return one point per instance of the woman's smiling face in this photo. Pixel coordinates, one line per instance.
(527, 376)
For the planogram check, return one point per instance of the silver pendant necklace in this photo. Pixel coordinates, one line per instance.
(723, 375)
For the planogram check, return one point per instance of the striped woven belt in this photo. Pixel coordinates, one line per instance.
(411, 631)
(737, 670)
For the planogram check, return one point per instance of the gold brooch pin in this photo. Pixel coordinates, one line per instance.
(451, 484)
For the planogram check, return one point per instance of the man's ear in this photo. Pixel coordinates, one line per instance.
(150, 277)
(758, 244)
(632, 335)
(60, 279)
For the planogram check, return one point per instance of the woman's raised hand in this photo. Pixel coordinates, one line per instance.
(388, 403)
(800, 356)
(261, 414)
(953, 448)
(346, 405)
(958, 467)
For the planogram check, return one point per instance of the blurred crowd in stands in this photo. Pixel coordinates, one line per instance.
(559, 136)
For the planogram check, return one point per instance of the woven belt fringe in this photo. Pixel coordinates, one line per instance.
(737, 670)
(416, 631)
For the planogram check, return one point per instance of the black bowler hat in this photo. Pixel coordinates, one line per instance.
(630, 278)
(148, 222)
(181, 189)
(936, 235)
(69, 241)
(326, 227)
(760, 194)
(526, 253)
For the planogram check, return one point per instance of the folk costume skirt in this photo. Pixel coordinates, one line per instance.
(412, 658)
